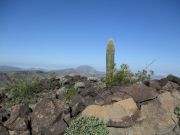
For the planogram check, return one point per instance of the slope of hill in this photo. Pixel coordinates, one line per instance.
(83, 70)
(9, 68)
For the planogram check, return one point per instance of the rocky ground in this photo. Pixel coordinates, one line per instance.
(139, 109)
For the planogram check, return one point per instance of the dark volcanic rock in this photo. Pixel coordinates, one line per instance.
(18, 118)
(2, 97)
(77, 105)
(140, 92)
(3, 131)
(171, 78)
(170, 86)
(4, 115)
(47, 117)
(155, 84)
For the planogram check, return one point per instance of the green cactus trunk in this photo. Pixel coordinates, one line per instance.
(110, 62)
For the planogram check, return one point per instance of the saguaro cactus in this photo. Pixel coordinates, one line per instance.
(110, 62)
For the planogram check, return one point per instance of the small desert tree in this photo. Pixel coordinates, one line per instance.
(110, 62)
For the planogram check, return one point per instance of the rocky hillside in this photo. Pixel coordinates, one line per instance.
(139, 109)
(83, 70)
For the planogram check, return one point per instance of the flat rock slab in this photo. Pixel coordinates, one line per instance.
(140, 92)
(157, 118)
(119, 114)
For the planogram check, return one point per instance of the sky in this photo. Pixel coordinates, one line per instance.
(56, 34)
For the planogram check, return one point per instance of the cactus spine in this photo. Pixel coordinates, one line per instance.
(110, 62)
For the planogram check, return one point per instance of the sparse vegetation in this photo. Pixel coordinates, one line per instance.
(123, 76)
(70, 93)
(19, 89)
(79, 85)
(93, 79)
(144, 75)
(177, 111)
(87, 126)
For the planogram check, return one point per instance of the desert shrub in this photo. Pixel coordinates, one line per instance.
(123, 76)
(18, 88)
(144, 75)
(70, 93)
(93, 79)
(63, 81)
(72, 90)
(87, 126)
(177, 111)
(79, 85)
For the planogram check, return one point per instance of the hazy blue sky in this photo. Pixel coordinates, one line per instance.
(68, 33)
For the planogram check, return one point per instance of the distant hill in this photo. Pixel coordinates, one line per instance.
(83, 70)
(9, 68)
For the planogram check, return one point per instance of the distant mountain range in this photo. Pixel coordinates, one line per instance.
(83, 70)
(9, 68)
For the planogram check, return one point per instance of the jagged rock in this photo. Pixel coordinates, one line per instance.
(19, 132)
(138, 129)
(3, 131)
(170, 86)
(4, 115)
(18, 118)
(118, 96)
(157, 118)
(170, 78)
(60, 93)
(119, 114)
(154, 84)
(47, 115)
(56, 129)
(140, 92)
(3, 96)
(160, 114)
(77, 105)
(174, 79)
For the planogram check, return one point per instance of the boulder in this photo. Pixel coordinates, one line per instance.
(47, 115)
(3, 96)
(138, 129)
(154, 84)
(3, 131)
(170, 78)
(160, 114)
(60, 93)
(4, 115)
(140, 92)
(170, 86)
(174, 79)
(77, 105)
(18, 118)
(156, 118)
(19, 133)
(119, 114)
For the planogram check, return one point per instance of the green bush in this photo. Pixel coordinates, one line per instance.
(123, 76)
(93, 79)
(87, 126)
(177, 111)
(70, 93)
(19, 89)
(79, 85)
